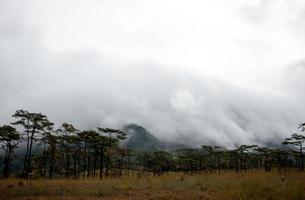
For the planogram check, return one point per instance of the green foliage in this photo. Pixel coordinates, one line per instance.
(8, 134)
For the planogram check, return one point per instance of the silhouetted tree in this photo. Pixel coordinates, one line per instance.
(34, 124)
(67, 132)
(267, 157)
(115, 136)
(9, 137)
(296, 143)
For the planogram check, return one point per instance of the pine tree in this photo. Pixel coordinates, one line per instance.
(9, 137)
(34, 125)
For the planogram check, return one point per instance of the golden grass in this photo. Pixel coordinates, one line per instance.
(249, 186)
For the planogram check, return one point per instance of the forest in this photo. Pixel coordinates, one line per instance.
(69, 153)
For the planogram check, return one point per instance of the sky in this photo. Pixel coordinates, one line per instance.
(224, 72)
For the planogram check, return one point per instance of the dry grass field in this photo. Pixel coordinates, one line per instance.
(229, 185)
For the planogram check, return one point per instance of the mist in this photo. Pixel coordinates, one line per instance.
(243, 91)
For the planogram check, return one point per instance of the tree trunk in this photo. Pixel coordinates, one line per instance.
(7, 163)
(25, 162)
(302, 156)
(51, 163)
(29, 167)
(101, 161)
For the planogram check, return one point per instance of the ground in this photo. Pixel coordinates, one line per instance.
(255, 185)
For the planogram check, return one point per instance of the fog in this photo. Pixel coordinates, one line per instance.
(228, 74)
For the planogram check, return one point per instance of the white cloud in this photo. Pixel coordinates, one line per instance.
(203, 71)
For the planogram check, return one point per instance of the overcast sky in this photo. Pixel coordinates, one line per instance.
(203, 72)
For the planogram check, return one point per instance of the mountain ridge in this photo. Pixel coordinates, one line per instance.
(140, 139)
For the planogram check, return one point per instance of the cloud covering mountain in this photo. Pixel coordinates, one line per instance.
(231, 75)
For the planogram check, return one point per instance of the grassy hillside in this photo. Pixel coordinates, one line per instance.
(250, 185)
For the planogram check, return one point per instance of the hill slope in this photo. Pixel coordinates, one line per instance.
(141, 139)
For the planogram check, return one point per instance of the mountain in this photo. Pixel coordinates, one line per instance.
(141, 139)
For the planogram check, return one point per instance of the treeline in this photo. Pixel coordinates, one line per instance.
(70, 153)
